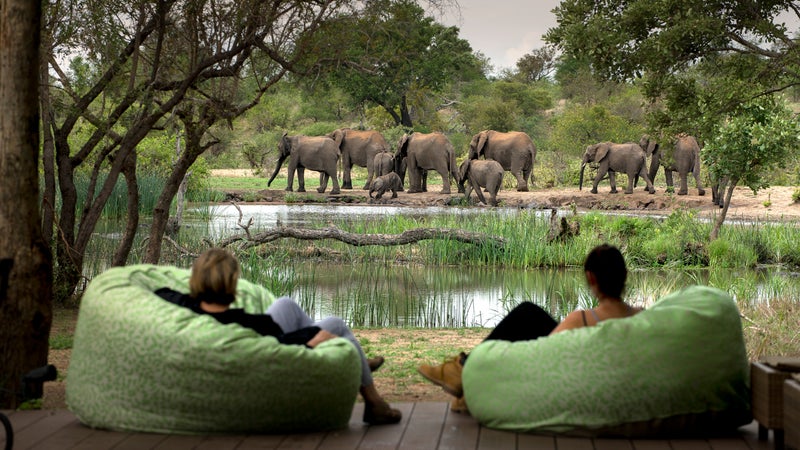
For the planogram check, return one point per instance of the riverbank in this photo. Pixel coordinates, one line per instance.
(770, 204)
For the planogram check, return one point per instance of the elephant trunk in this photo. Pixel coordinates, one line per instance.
(655, 162)
(580, 180)
(281, 159)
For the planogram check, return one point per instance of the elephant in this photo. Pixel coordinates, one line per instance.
(382, 164)
(425, 151)
(480, 173)
(308, 152)
(390, 181)
(514, 151)
(683, 157)
(611, 158)
(718, 187)
(358, 148)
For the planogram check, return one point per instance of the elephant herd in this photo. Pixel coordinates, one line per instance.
(421, 153)
(631, 158)
(416, 153)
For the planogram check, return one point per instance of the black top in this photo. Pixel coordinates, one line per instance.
(260, 323)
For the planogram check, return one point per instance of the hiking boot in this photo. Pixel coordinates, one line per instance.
(381, 414)
(459, 405)
(375, 363)
(447, 375)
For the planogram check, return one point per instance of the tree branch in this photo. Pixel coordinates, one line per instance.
(359, 240)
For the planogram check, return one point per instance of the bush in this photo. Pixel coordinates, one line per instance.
(725, 254)
(796, 196)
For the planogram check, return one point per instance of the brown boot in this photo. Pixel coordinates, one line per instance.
(381, 414)
(446, 375)
(375, 363)
(459, 405)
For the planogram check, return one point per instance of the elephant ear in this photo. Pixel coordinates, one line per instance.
(401, 147)
(602, 152)
(483, 137)
(337, 136)
(463, 169)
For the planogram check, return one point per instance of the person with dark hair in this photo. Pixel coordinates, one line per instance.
(605, 273)
(212, 287)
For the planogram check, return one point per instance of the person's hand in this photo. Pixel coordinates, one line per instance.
(320, 337)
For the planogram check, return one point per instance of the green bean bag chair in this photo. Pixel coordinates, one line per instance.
(140, 363)
(677, 368)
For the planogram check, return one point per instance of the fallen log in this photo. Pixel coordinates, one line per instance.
(358, 240)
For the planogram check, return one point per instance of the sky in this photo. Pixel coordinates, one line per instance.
(503, 30)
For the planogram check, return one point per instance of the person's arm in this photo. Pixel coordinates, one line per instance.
(320, 337)
(572, 321)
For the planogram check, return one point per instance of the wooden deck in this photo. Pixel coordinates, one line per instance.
(425, 425)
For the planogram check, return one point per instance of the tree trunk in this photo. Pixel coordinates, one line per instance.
(132, 222)
(25, 263)
(48, 148)
(406, 116)
(721, 218)
(191, 152)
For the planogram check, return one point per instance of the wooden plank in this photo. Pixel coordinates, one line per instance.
(302, 441)
(573, 443)
(535, 442)
(425, 426)
(612, 444)
(728, 443)
(261, 442)
(650, 444)
(490, 439)
(223, 442)
(136, 441)
(690, 444)
(460, 432)
(388, 436)
(23, 419)
(101, 439)
(179, 442)
(350, 437)
(50, 422)
(65, 437)
(749, 434)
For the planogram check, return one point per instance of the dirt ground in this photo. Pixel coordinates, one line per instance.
(772, 204)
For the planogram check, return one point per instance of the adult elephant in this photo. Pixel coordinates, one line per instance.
(611, 158)
(481, 173)
(382, 164)
(514, 151)
(358, 148)
(682, 157)
(423, 152)
(318, 153)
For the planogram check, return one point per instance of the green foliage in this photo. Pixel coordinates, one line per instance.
(416, 54)
(729, 254)
(578, 127)
(758, 139)
(796, 196)
(318, 129)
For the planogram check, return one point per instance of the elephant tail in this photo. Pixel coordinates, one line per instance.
(452, 163)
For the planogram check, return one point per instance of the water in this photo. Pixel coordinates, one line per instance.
(391, 294)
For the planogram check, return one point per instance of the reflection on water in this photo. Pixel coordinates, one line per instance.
(369, 295)
(456, 297)
(225, 217)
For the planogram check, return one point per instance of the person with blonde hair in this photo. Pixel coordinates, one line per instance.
(212, 286)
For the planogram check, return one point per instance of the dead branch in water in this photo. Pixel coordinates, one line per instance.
(358, 240)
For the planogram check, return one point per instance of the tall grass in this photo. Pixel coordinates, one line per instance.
(149, 187)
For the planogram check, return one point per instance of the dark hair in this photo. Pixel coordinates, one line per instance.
(607, 264)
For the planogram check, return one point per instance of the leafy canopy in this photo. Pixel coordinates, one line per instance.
(697, 59)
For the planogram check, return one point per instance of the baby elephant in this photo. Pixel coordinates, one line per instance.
(486, 173)
(390, 181)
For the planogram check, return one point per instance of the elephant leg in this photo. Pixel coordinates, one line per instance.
(445, 181)
(670, 181)
(413, 177)
(649, 184)
(684, 190)
(290, 177)
(612, 180)
(323, 182)
(700, 190)
(477, 188)
(370, 174)
(522, 183)
(423, 175)
(599, 176)
(301, 179)
(347, 166)
(631, 178)
(334, 183)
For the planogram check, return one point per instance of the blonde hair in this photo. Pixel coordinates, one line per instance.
(214, 276)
